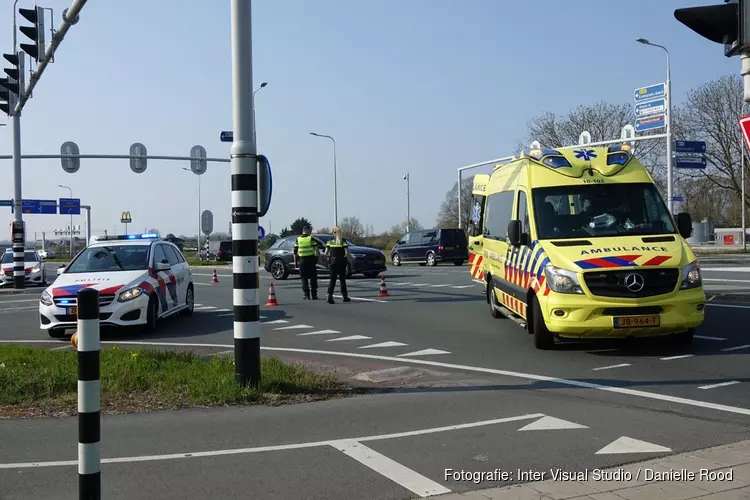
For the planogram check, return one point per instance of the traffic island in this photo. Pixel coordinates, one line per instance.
(43, 382)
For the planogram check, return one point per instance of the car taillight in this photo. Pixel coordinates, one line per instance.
(441, 247)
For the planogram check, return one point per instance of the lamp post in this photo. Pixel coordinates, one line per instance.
(668, 112)
(408, 204)
(71, 220)
(199, 209)
(255, 92)
(335, 189)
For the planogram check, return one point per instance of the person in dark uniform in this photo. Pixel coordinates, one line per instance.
(306, 253)
(337, 252)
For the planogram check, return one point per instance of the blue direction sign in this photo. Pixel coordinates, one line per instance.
(261, 233)
(698, 162)
(38, 207)
(226, 136)
(650, 122)
(650, 92)
(690, 147)
(678, 198)
(70, 206)
(658, 106)
(6, 203)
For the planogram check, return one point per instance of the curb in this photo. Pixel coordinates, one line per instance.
(18, 292)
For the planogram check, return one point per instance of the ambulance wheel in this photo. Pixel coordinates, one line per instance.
(543, 338)
(152, 314)
(491, 301)
(189, 302)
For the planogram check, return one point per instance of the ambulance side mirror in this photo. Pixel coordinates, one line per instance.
(685, 224)
(514, 232)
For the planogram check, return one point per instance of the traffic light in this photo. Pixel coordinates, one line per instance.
(726, 23)
(13, 86)
(35, 32)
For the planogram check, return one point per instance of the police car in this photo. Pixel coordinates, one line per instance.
(33, 269)
(141, 278)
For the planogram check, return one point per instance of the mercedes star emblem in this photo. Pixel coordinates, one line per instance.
(634, 282)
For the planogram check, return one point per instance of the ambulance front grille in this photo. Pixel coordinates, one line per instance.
(612, 283)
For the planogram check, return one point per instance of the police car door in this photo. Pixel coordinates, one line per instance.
(476, 223)
(179, 270)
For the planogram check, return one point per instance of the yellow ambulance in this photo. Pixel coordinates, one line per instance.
(579, 244)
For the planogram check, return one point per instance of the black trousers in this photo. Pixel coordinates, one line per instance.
(337, 272)
(308, 271)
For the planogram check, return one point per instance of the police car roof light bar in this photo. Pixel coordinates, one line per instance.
(143, 236)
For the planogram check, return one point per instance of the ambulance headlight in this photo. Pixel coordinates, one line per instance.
(691, 276)
(561, 280)
(130, 294)
(46, 298)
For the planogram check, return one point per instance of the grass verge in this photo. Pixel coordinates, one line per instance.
(43, 382)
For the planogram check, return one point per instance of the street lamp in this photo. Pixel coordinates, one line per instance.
(335, 189)
(408, 204)
(199, 209)
(668, 110)
(255, 92)
(71, 219)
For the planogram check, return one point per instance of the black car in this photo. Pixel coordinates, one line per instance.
(363, 260)
(430, 246)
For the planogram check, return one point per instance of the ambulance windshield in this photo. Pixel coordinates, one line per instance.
(595, 210)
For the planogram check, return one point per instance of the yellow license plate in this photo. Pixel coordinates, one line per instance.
(73, 311)
(636, 321)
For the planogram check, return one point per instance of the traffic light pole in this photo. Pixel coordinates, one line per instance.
(244, 171)
(19, 234)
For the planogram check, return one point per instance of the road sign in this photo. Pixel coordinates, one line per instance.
(207, 222)
(650, 122)
(70, 206)
(690, 147)
(226, 136)
(125, 218)
(698, 162)
(648, 108)
(198, 166)
(650, 92)
(45, 207)
(745, 128)
(6, 203)
(138, 165)
(678, 198)
(70, 165)
(261, 233)
(584, 138)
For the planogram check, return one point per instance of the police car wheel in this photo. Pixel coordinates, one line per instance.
(189, 302)
(543, 338)
(279, 270)
(152, 312)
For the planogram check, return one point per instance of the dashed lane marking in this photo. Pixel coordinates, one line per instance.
(452, 366)
(319, 332)
(726, 281)
(681, 356)
(294, 327)
(425, 352)
(384, 344)
(439, 286)
(463, 286)
(274, 322)
(736, 348)
(610, 367)
(350, 337)
(363, 299)
(722, 384)
(18, 301)
(706, 337)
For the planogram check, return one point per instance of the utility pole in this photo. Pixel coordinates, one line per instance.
(408, 203)
(244, 198)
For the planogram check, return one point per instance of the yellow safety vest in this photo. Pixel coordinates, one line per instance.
(305, 246)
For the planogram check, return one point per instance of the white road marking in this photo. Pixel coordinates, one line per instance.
(17, 309)
(463, 286)
(727, 269)
(439, 286)
(351, 337)
(736, 348)
(294, 327)
(384, 344)
(551, 423)
(396, 472)
(62, 347)
(18, 301)
(712, 304)
(274, 322)
(201, 284)
(225, 310)
(224, 315)
(625, 444)
(230, 351)
(420, 284)
(726, 281)
(319, 332)
(706, 337)
(282, 447)
(204, 308)
(478, 281)
(451, 366)
(721, 384)
(681, 356)
(425, 352)
(363, 299)
(621, 365)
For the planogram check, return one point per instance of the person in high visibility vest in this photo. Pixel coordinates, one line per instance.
(337, 251)
(306, 253)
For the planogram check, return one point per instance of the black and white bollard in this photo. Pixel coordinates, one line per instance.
(86, 340)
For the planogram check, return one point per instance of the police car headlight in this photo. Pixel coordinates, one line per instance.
(36, 270)
(46, 298)
(691, 276)
(561, 280)
(130, 294)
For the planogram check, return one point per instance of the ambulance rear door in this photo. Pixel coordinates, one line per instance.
(476, 225)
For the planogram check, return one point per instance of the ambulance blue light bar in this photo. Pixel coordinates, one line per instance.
(114, 237)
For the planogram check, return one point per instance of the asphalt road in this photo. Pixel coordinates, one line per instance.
(473, 368)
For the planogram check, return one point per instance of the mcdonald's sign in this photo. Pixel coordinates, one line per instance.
(125, 218)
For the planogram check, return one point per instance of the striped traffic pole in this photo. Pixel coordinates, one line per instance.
(245, 282)
(86, 340)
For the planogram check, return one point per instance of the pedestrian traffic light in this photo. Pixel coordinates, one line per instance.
(12, 87)
(726, 23)
(36, 32)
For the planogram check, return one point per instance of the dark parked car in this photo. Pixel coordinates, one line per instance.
(363, 260)
(224, 253)
(430, 246)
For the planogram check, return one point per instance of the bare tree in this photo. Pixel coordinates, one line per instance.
(448, 215)
(711, 113)
(400, 229)
(351, 228)
(704, 199)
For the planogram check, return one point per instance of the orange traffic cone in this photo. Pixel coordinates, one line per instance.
(271, 296)
(214, 279)
(383, 290)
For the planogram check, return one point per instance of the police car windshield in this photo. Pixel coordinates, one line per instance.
(111, 258)
(596, 210)
(27, 257)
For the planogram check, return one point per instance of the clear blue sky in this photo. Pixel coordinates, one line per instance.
(419, 86)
